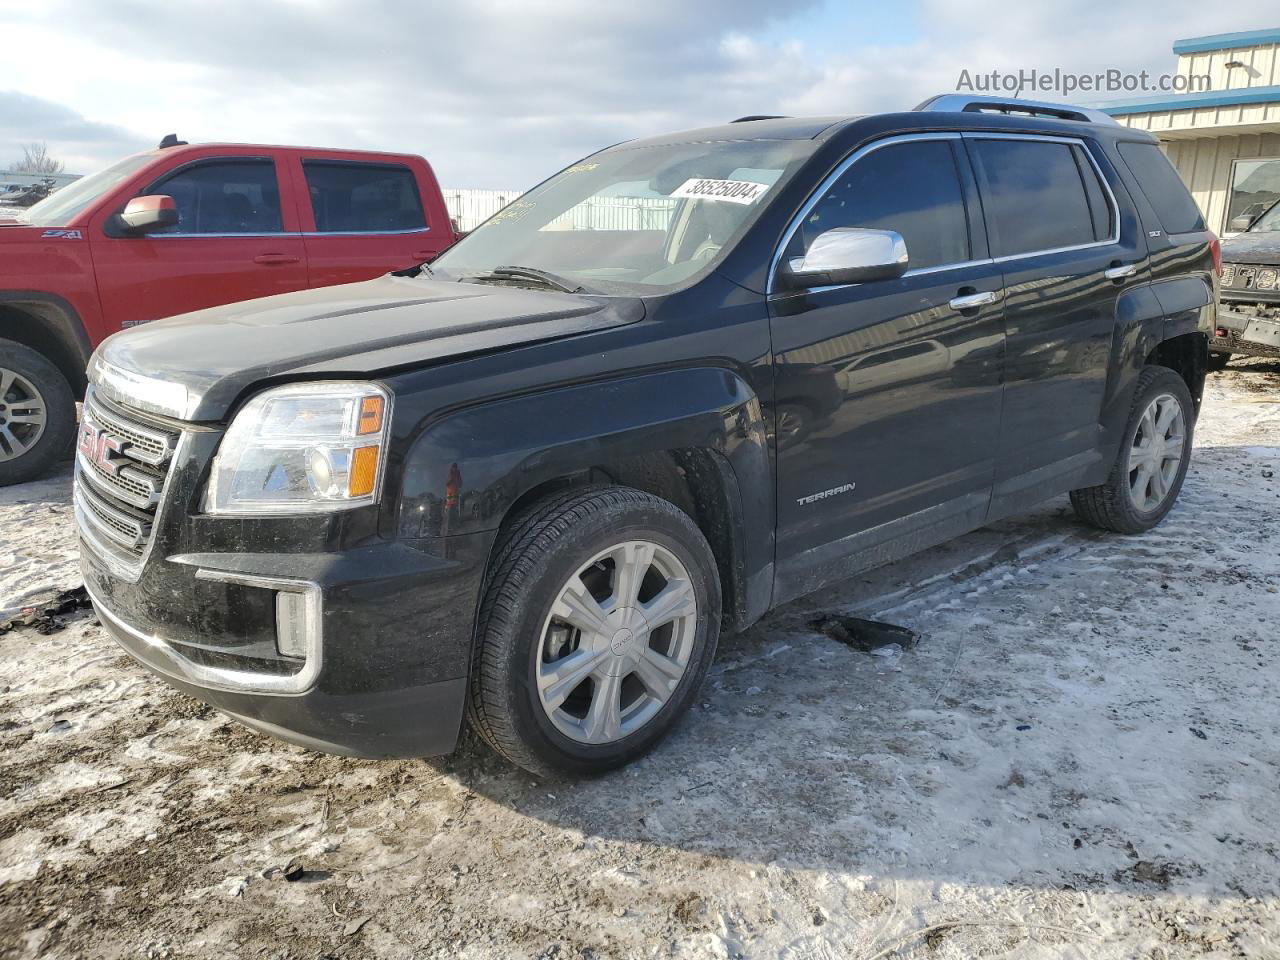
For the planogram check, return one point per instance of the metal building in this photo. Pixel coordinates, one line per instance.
(1225, 141)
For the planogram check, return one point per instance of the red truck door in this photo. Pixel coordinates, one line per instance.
(237, 238)
(368, 216)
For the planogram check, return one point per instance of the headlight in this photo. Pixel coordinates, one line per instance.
(302, 448)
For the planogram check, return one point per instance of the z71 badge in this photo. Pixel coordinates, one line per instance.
(62, 235)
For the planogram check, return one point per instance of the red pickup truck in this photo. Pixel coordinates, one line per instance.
(180, 228)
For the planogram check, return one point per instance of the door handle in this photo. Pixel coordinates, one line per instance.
(274, 258)
(1121, 271)
(971, 300)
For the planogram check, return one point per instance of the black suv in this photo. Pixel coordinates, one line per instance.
(681, 382)
(1249, 321)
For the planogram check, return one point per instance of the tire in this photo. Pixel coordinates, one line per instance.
(1114, 505)
(521, 639)
(1218, 361)
(29, 383)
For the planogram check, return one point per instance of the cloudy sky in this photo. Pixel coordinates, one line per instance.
(499, 93)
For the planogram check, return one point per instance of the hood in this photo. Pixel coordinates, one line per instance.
(1261, 247)
(196, 365)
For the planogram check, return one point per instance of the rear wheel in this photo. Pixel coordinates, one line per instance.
(37, 413)
(1152, 462)
(1218, 361)
(598, 623)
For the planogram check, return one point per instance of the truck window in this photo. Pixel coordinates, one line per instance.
(1033, 196)
(1162, 187)
(224, 196)
(363, 197)
(913, 188)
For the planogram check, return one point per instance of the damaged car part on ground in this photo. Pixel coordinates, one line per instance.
(534, 483)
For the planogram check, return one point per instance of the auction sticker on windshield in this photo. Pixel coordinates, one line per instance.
(733, 191)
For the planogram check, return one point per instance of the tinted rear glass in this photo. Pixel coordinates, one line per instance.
(1162, 187)
(363, 198)
(1033, 196)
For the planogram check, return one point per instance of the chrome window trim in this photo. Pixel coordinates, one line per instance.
(295, 233)
(180, 668)
(954, 135)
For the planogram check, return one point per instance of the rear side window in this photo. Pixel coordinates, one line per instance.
(913, 188)
(1162, 187)
(224, 197)
(1036, 196)
(363, 197)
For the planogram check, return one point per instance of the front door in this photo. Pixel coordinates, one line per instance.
(887, 393)
(232, 242)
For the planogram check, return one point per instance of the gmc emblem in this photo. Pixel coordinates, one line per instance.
(98, 446)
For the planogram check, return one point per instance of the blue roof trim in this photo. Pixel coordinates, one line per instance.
(1227, 41)
(1190, 101)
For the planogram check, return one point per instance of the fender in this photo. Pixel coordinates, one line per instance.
(465, 471)
(58, 332)
(1146, 316)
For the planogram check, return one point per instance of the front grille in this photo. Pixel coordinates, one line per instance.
(1248, 276)
(121, 469)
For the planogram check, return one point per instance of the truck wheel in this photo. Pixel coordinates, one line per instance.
(1218, 361)
(598, 622)
(37, 414)
(1152, 462)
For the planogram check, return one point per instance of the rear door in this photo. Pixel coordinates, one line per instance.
(887, 393)
(1067, 254)
(235, 240)
(367, 218)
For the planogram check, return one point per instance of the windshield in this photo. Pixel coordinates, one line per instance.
(60, 208)
(638, 220)
(1269, 222)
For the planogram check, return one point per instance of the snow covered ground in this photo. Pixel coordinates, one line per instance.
(1079, 760)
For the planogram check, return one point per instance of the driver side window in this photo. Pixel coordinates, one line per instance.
(224, 196)
(913, 188)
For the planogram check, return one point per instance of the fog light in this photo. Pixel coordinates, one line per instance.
(292, 624)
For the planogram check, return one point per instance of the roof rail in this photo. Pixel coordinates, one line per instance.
(761, 116)
(968, 103)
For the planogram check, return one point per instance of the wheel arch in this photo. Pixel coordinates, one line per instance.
(49, 325)
(695, 437)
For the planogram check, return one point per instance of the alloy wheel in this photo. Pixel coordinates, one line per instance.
(617, 642)
(1156, 454)
(23, 415)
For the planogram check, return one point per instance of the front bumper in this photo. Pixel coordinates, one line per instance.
(1237, 341)
(387, 648)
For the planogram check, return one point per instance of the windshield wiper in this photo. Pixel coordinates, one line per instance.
(554, 281)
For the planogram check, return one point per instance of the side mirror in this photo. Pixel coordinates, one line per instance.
(1241, 223)
(847, 255)
(146, 214)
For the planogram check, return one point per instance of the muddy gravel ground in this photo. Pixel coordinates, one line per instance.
(1081, 758)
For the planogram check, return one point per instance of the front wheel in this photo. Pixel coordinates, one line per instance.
(1153, 458)
(37, 414)
(598, 623)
